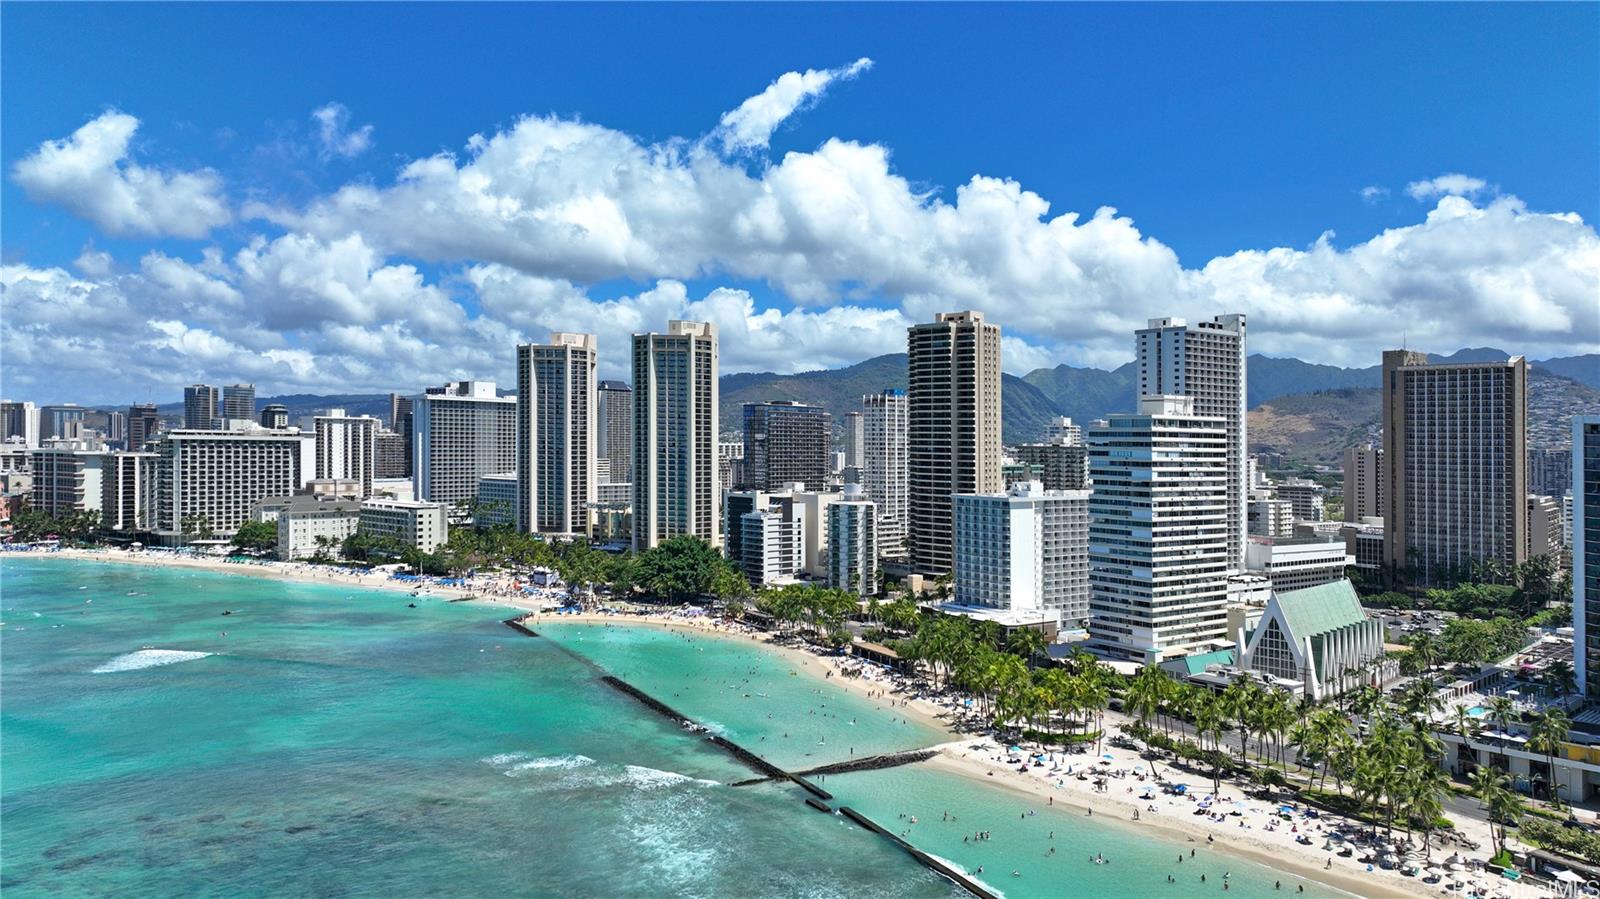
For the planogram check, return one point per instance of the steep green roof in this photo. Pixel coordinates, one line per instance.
(1194, 664)
(1320, 609)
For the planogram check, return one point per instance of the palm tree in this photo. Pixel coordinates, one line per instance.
(1501, 708)
(1025, 642)
(1426, 788)
(1491, 787)
(1146, 693)
(1548, 732)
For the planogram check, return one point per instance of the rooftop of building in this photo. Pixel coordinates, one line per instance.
(1318, 610)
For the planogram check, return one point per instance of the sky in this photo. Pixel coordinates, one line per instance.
(370, 197)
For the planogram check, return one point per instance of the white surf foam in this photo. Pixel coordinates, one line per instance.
(550, 763)
(654, 778)
(504, 758)
(148, 658)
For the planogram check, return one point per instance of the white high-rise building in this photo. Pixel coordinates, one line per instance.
(423, 525)
(460, 432)
(765, 536)
(67, 477)
(852, 556)
(1158, 535)
(346, 448)
(127, 490)
(1063, 430)
(210, 481)
(884, 461)
(855, 441)
(556, 418)
(676, 484)
(1205, 361)
(1025, 552)
(953, 369)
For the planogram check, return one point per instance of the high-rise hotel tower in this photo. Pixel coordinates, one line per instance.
(556, 434)
(676, 490)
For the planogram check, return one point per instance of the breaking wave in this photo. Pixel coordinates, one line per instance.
(148, 658)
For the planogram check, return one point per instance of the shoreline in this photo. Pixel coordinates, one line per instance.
(985, 764)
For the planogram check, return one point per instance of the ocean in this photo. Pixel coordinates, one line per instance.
(328, 741)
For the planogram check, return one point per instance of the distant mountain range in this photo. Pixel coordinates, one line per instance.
(1302, 409)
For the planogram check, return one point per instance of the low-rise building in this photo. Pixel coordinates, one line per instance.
(308, 524)
(1268, 517)
(1296, 563)
(1320, 637)
(420, 524)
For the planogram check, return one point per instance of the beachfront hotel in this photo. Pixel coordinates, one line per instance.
(212, 480)
(953, 419)
(461, 431)
(556, 434)
(1025, 553)
(884, 466)
(1158, 531)
(1454, 465)
(1205, 361)
(423, 525)
(676, 484)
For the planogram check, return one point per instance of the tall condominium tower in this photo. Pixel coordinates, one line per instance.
(143, 423)
(855, 441)
(239, 402)
(400, 422)
(556, 434)
(1158, 531)
(462, 431)
(1586, 552)
(786, 443)
(852, 542)
(1455, 465)
(883, 428)
(200, 403)
(1063, 465)
(1363, 482)
(1205, 360)
(954, 422)
(347, 448)
(19, 421)
(614, 430)
(676, 489)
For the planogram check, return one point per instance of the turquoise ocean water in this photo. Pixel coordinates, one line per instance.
(337, 743)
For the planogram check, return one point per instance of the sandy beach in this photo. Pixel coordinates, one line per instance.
(1256, 832)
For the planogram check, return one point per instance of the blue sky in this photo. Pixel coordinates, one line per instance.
(1217, 132)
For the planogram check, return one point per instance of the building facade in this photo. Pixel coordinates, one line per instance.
(1063, 465)
(1363, 482)
(61, 422)
(200, 404)
(1305, 498)
(1586, 551)
(1319, 639)
(852, 557)
(308, 525)
(1549, 471)
(885, 466)
(347, 448)
(1545, 533)
(19, 421)
(420, 524)
(1205, 361)
(1024, 551)
(786, 443)
(556, 434)
(953, 420)
(497, 500)
(614, 430)
(274, 415)
(676, 488)
(1296, 563)
(239, 402)
(1454, 459)
(1158, 534)
(127, 491)
(462, 431)
(1268, 517)
(390, 455)
(210, 481)
(67, 478)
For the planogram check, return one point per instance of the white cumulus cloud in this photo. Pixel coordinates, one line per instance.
(752, 124)
(1453, 184)
(90, 174)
